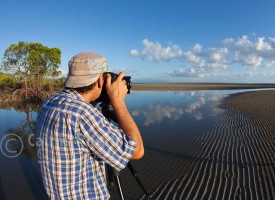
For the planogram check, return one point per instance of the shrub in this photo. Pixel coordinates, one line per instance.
(8, 82)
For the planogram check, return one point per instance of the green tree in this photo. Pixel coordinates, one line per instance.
(29, 60)
(44, 62)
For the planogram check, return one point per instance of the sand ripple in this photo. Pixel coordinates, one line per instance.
(237, 157)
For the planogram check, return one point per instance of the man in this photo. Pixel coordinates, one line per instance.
(74, 140)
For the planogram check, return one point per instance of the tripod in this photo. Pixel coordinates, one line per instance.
(112, 173)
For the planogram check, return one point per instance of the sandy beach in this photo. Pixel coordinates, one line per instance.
(234, 159)
(198, 86)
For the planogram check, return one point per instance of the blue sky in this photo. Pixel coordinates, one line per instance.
(154, 41)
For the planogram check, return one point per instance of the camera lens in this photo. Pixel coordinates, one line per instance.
(128, 83)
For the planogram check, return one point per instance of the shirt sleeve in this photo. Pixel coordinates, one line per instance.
(106, 140)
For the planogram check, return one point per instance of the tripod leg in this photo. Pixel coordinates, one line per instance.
(119, 188)
(135, 174)
(113, 179)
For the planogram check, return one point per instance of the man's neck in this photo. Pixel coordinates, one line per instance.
(89, 96)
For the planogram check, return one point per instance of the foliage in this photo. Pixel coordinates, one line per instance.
(55, 82)
(32, 62)
(8, 81)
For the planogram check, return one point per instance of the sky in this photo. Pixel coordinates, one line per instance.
(153, 40)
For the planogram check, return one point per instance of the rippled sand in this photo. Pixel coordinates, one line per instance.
(233, 159)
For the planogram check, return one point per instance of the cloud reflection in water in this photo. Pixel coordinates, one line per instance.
(187, 102)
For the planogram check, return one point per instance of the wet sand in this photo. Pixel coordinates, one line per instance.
(198, 86)
(233, 158)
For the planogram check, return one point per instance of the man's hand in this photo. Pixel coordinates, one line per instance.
(116, 90)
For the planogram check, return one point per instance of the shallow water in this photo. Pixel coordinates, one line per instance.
(170, 121)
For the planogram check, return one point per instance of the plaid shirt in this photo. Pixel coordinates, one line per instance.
(73, 142)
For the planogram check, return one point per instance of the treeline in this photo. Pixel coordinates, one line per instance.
(30, 71)
(10, 83)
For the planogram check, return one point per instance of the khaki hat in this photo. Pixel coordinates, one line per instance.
(84, 69)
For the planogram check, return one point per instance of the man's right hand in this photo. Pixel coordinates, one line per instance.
(116, 90)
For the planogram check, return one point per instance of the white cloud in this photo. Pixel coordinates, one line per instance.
(227, 41)
(253, 60)
(218, 54)
(250, 53)
(270, 63)
(134, 52)
(197, 48)
(193, 58)
(249, 60)
(272, 40)
(190, 72)
(218, 58)
(243, 45)
(262, 46)
(202, 62)
(156, 52)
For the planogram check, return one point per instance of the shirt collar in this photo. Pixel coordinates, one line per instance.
(73, 93)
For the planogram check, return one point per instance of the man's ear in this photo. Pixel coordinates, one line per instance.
(100, 81)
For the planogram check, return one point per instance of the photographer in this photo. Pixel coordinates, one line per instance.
(76, 140)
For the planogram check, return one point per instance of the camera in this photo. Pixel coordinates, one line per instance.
(104, 96)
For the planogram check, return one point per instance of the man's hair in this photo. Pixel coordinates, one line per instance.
(84, 89)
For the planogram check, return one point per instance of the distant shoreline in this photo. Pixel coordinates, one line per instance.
(13, 97)
(198, 86)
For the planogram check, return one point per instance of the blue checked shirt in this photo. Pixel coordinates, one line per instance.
(73, 143)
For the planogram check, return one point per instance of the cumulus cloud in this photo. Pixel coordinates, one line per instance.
(155, 52)
(193, 58)
(248, 52)
(201, 62)
(134, 52)
(250, 59)
(190, 72)
(263, 46)
(218, 58)
(227, 41)
(243, 44)
(272, 41)
(197, 48)
(270, 63)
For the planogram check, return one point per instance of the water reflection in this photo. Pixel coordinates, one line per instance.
(157, 112)
(179, 103)
(19, 174)
(20, 138)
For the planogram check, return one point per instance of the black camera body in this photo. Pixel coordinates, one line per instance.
(104, 96)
